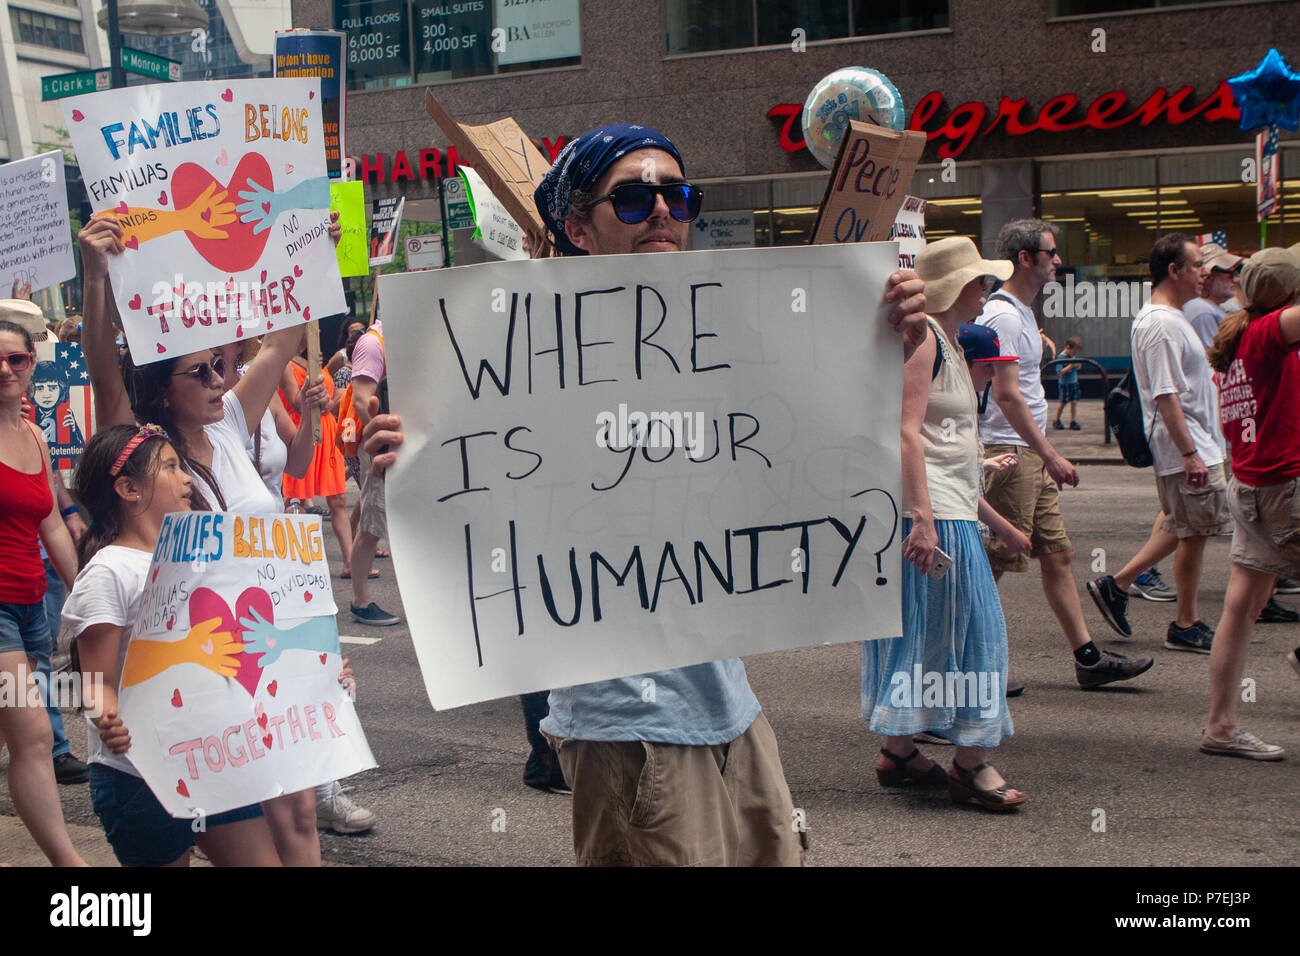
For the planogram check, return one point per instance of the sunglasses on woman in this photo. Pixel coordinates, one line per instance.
(634, 202)
(205, 372)
(17, 361)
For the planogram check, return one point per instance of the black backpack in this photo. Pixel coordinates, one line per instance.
(1124, 419)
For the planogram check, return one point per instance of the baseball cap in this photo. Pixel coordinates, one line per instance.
(1217, 257)
(980, 343)
(1270, 279)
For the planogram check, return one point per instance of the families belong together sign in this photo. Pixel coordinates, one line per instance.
(223, 196)
(230, 685)
(621, 465)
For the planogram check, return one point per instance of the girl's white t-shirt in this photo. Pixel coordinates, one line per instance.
(241, 485)
(275, 456)
(108, 591)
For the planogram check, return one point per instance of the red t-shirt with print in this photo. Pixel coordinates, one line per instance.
(1259, 405)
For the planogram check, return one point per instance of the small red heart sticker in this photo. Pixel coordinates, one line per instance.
(322, 658)
(239, 331)
(307, 596)
(162, 198)
(161, 348)
(122, 208)
(263, 277)
(176, 697)
(135, 301)
(206, 215)
(183, 790)
(266, 207)
(297, 271)
(78, 116)
(132, 243)
(272, 687)
(261, 721)
(228, 96)
(306, 314)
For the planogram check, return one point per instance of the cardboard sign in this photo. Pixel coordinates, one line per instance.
(59, 395)
(35, 237)
(221, 191)
(214, 729)
(349, 201)
(424, 252)
(496, 232)
(506, 159)
(867, 184)
(706, 466)
(909, 231)
(385, 220)
(319, 53)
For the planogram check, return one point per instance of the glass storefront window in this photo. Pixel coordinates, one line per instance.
(695, 26)
(399, 42)
(874, 17)
(778, 19)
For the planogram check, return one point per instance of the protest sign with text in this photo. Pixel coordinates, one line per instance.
(647, 461)
(319, 53)
(223, 198)
(230, 684)
(349, 201)
(868, 183)
(35, 237)
(495, 231)
(909, 231)
(59, 396)
(385, 220)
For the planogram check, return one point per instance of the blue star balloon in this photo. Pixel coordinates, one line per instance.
(1269, 94)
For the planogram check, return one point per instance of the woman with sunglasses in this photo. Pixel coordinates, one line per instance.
(28, 512)
(209, 427)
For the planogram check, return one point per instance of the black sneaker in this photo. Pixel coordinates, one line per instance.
(1110, 668)
(1286, 586)
(374, 615)
(68, 769)
(1015, 688)
(1112, 602)
(1198, 638)
(1057, 425)
(1075, 427)
(542, 772)
(1275, 613)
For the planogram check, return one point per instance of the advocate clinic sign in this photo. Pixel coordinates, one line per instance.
(1108, 111)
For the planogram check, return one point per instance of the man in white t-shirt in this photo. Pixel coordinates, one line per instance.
(1206, 312)
(1180, 405)
(1027, 495)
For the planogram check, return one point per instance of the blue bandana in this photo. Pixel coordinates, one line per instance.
(582, 162)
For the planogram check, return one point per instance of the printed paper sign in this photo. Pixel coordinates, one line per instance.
(319, 53)
(230, 684)
(224, 203)
(496, 232)
(725, 229)
(35, 237)
(424, 252)
(59, 395)
(349, 201)
(868, 183)
(385, 220)
(642, 462)
(539, 30)
(909, 231)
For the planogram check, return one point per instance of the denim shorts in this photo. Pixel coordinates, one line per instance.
(140, 831)
(23, 628)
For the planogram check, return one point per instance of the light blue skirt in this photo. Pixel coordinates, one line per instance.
(947, 674)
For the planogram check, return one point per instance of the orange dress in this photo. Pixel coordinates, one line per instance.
(326, 475)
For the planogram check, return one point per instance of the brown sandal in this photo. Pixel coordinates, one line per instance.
(901, 773)
(962, 788)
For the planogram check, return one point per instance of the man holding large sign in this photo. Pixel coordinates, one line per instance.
(726, 332)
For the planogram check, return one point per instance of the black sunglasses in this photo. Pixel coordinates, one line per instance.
(633, 202)
(204, 371)
(1050, 252)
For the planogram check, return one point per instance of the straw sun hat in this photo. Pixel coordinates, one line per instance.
(948, 264)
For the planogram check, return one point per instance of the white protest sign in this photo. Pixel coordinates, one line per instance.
(214, 730)
(424, 252)
(223, 196)
(35, 237)
(497, 233)
(909, 231)
(621, 465)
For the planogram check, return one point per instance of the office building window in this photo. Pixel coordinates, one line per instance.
(41, 30)
(695, 26)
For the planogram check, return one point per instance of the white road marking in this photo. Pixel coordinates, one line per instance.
(349, 639)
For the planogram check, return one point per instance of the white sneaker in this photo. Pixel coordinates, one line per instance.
(341, 815)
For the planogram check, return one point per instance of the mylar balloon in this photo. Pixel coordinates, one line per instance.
(853, 93)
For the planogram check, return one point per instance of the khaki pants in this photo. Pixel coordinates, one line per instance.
(648, 804)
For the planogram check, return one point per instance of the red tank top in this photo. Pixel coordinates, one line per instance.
(26, 503)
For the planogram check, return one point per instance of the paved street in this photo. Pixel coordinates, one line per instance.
(1128, 750)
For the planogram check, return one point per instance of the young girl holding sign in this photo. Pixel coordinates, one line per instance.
(128, 479)
(209, 428)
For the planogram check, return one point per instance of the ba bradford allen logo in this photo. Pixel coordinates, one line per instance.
(78, 909)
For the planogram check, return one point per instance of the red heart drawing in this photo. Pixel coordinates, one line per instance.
(322, 658)
(261, 721)
(240, 249)
(266, 207)
(288, 167)
(162, 198)
(156, 567)
(78, 116)
(176, 697)
(263, 277)
(297, 272)
(135, 304)
(122, 208)
(230, 283)
(228, 96)
(183, 790)
(306, 314)
(132, 243)
(206, 215)
(311, 94)
(207, 605)
(161, 348)
(272, 687)
(269, 325)
(171, 622)
(266, 741)
(239, 331)
(307, 596)
(222, 158)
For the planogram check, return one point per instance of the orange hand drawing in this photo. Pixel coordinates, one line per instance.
(203, 218)
(204, 645)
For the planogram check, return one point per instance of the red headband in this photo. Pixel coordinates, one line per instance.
(146, 431)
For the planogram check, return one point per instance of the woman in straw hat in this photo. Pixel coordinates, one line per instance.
(947, 674)
(1254, 352)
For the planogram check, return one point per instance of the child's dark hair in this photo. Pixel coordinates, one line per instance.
(147, 386)
(1074, 342)
(16, 329)
(95, 489)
